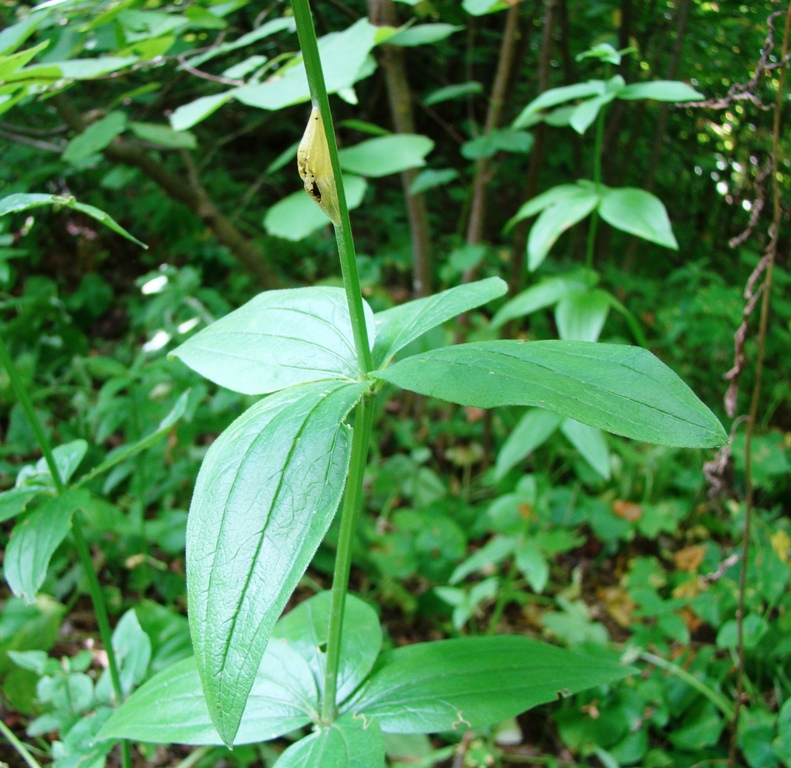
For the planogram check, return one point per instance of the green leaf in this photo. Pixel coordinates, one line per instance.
(455, 685)
(585, 113)
(503, 140)
(555, 220)
(431, 178)
(24, 201)
(265, 496)
(532, 431)
(164, 136)
(194, 112)
(423, 34)
(639, 213)
(544, 294)
(386, 154)
(34, 541)
(453, 92)
(554, 196)
(306, 629)
(591, 444)
(343, 56)
(124, 452)
(350, 742)
(96, 137)
(14, 35)
(10, 64)
(401, 325)
(555, 96)
(269, 28)
(581, 315)
(15, 500)
(661, 90)
(171, 709)
(87, 69)
(621, 389)
(297, 216)
(480, 7)
(132, 648)
(277, 340)
(492, 553)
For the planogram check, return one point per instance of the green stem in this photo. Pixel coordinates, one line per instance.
(597, 174)
(343, 232)
(99, 606)
(363, 420)
(504, 595)
(715, 698)
(18, 746)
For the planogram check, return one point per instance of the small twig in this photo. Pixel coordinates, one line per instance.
(756, 207)
(747, 91)
(182, 60)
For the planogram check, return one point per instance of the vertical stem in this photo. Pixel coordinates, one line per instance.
(774, 231)
(363, 416)
(83, 551)
(343, 233)
(363, 420)
(597, 150)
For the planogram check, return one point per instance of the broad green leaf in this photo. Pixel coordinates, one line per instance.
(480, 7)
(544, 294)
(124, 452)
(132, 648)
(87, 69)
(585, 113)
(423, 34)
(386, 154)
(492, 553)
(306, 630)
(269, 28)
(171, 709)
(265, 496)
(67, 458)
(591, 444)
(621, 389)
(453, 92)
(401, 325)
(24, 201)
(297, 216)
(143, 25)
(350, 742)
(10, 64)
(661, 90)
(554, 221)
(15, 500)
(14, 35)
(554, 196)
(277, 340)
(431, 178)
(35, 539)
(532, 431)
(639, 213)
(96, 137)
(194, 112)
(503, 140)
(555, 96)
(164, 136)
(532, 563)
(343, 56)
(581, 315)
(456, 685)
